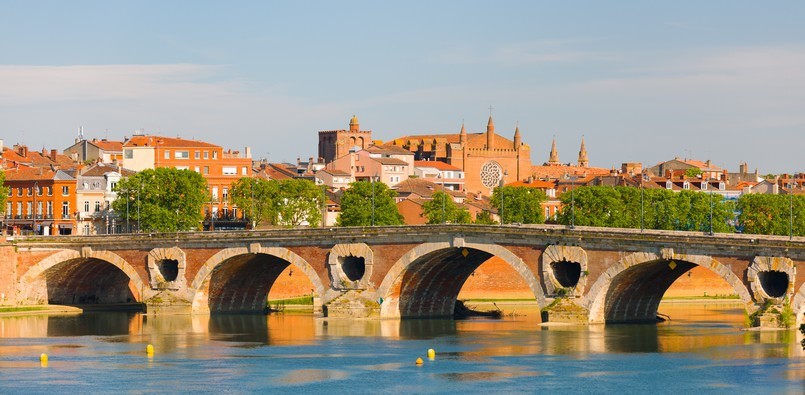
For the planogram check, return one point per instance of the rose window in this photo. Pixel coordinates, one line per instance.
(491, 173)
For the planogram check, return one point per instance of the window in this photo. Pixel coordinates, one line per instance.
(50, 209)
(38, 209)
(86, 229)
(182, 167)
(19, 209)
(669, 185)
(50, 191)
(128, 154)
(226, 194)
(114, 185)
(8, 209)
(243, 171)
(65, 190)
(65, 210)
(206, 154)
(685, 185)
(230, 170)
(86, 206)
(198, 169)
(167, 154)
(722, 186)
(215, 154)
(704, 186)
(29, 191)
(28, 212)
(182, 155)
(198, 155)
(206, 170)
(97, 206)
(214, 194)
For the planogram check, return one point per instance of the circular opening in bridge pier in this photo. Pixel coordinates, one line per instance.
(566, 273)
(775, 283)
(353, 266)
(169, 269)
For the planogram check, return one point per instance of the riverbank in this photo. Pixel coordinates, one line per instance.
(38, 309)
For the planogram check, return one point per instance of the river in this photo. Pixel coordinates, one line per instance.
(702, 348)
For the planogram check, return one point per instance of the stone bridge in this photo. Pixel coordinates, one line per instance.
(600, 275)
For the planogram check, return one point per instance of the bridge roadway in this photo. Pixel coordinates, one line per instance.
(599, 274)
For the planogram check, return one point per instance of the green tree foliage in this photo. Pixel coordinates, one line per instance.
(519, 204)
(442, 209)
(620, 207)
(298, 202)
(693, 172)
(168, 199)
(356, 205)
(3, 191)
(255, 197)
(484, 218)
(287, 202)
(771, 214)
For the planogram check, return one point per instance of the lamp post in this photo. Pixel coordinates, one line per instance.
(642, 224)
(138, 206)
(791, 210)
(251, 214)
(128, 197)
(502, 200)
(572, 202)
(711, 212)
(33, 215)
(373, 198)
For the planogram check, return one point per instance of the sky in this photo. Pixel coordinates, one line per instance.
(640, 81)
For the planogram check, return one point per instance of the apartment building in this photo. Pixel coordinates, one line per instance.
(218, 166)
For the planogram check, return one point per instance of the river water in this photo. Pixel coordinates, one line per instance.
(700, 349)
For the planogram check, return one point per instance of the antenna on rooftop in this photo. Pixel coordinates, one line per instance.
(80, 133)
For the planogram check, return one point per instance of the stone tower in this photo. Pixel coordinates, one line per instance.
(334, 144)
(490, 134)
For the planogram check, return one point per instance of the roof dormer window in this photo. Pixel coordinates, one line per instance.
(669, 185)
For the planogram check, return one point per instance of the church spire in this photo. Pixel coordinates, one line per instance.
(517, 138)
(583, 161)
(490, 134)
(554, 159)
(462, 137)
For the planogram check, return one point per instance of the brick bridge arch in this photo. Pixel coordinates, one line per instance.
(239, 278)
(93, 276)
(632, 289)
(425, 282)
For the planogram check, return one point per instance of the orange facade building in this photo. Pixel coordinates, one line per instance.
(219, 167)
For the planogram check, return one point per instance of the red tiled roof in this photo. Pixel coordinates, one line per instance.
(561, 171)
(108, 145)
(439, 165)
(152, 141)
(539, 184)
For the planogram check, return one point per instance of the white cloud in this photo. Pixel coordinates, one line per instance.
(38, 84)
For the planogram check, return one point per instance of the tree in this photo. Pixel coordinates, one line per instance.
(484, 218)
(3, 191)
(163, 199)
(442, 209)
(356, 205)
(255, 197)
(620, 207)
(771, 214)
(693, 172)
(519, 204)
(298, 202)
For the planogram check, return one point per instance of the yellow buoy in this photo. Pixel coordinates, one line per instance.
(149, 349)
(431, 354)
(419, 361)
(43, 360)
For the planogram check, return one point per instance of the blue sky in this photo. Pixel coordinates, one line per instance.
(642, 81)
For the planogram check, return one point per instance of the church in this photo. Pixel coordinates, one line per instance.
(485, 158)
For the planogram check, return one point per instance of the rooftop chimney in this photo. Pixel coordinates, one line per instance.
(53, 154)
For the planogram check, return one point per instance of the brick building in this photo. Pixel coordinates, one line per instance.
(334, 144)
(219, 167)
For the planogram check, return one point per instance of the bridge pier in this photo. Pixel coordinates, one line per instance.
(566, 311)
